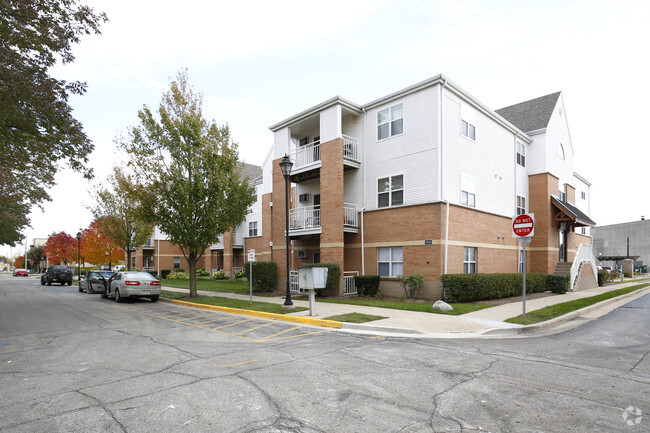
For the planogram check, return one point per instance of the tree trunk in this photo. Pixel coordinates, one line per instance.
(191, 262)
(128, 259)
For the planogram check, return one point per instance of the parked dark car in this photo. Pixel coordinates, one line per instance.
(57, 274)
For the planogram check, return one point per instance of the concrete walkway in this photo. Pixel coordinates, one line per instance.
(489, 321)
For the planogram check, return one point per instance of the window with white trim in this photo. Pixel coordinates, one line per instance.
(521, 154)
(467, 130)
(177, 262)
(583, 195)
(252, 228)
(521, 205)
(467, 191)
(390, 121)
(390, 191)
(390, 261)
(562, 193)
(469, 260)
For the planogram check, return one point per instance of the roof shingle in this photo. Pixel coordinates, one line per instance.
(531, 115)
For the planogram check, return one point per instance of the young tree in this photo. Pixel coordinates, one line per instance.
(37, 255)
(61, 247)
(98, 248)
(37, 128)
(187, 173)
(117, 210)
(19, 262)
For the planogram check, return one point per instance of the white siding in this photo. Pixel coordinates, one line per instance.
(413, 153)
(330, 124)
(282, 143)
(558, 132)
(255, 213)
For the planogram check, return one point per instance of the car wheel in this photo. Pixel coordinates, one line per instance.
(81, 288)
(154, 298)
(42, 282)
(49, 282)
(118, 298)
(70, 283)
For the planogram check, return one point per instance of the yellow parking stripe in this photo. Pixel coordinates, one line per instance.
(237, 363)
(257, 327)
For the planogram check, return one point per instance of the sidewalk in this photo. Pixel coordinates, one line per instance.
(489, 321)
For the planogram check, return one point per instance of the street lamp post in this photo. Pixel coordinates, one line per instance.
(79, 257)
(286, 165)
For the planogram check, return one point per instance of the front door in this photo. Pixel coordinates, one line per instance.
(563, 248)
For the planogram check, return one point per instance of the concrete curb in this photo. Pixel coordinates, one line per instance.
(376, 328)
(562, 319)
(261, 314)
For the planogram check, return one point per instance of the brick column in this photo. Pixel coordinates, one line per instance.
(543, 252)
(331, 206)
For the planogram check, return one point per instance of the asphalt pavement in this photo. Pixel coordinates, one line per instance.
(483, 323)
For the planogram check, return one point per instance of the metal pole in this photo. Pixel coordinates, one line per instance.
(250, 278)
(287, 302)
(524, 242)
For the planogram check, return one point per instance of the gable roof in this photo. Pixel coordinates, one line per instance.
(531, 115)
(251, 172)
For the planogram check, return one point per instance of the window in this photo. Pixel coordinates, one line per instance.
(390, 262)
(469, 260)
(521, 205)
(520, 267)
(390, 121)
(560, 151)
(390, 191)
(467, 130)
(521, 154)
(252, 228)
(177, 262)
(562, 193)
(467, 191)
(583, 195)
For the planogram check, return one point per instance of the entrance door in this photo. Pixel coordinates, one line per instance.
(316, 210)
(316, 256)
(563, 247)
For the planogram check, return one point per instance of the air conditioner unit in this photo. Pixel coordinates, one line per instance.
(303, 198)
(302, 254)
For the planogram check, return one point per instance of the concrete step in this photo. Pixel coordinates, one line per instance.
(563, 268)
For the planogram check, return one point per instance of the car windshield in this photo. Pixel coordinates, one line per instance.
(139, 275)
(105, 274)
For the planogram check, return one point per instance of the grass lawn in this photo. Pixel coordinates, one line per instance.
(409, 306)
(234, 303)
(354, 318)
(240, 287)
(558, 310)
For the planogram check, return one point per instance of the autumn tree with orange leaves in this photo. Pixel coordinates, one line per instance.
(19, 263)
(60, 247)
(97, 248)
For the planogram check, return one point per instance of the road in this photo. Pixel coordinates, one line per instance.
(73, 362)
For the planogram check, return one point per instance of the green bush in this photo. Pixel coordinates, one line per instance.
(478, 287)
(367, 285)
(411, 284)
(557, 283)
(200, 272)
(220, 275)
(178, 276)
(164, 273)
(265, 275)
(179, 270)
(239, 275)
(333, 276)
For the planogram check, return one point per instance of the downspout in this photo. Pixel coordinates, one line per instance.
(363, 255)
(440, 168)
(363, 194)
(447, 238)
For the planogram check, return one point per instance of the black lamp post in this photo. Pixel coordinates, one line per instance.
(285, 166)
(79, 257)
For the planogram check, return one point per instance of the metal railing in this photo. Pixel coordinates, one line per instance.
(349, 287)
(237, 240)
(350, 147)
(584, 254)
(294, 283)
(306, 155)
(350, 216)
(304, 218)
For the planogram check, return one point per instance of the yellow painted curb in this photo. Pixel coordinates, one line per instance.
(263, 315)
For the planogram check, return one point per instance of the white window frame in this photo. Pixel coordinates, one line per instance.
(521, 205)
(562, 193)
(392, 261)
(467, 130)
(391, 191)
(467, 191)
(177, 262)
(252, 229)
(470, 257)
(390, 121)
(583, 195)
(521, 154)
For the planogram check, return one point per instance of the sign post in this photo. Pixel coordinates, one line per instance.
(523, 227)
(251, 259)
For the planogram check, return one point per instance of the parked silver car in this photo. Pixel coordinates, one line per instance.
(124, 285)
(95, 281)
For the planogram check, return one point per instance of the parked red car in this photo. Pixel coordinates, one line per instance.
(21, 273)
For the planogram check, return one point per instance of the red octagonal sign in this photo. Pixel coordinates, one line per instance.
(523, 226)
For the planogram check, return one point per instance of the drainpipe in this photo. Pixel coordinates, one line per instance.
(363, 193)
(447, 238)
(363, 248)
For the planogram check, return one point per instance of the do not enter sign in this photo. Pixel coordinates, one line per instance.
(523, 226)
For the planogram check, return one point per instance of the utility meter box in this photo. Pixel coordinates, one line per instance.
(312, 278)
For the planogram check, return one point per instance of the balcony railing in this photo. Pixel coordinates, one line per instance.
(350, 148)
(349, 287)
(237, 240)
(308, 217)
(310, 153)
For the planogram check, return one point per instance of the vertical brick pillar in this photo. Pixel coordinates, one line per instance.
(543, 251)
(331, 206)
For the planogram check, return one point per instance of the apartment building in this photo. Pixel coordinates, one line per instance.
(227, 253)
(426, 180)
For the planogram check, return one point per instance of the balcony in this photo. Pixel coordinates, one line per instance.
(306, 220)
(217, 245)
(149, 244)
(237, 240)
(307, 158)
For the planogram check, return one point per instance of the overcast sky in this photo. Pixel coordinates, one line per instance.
(259, 62)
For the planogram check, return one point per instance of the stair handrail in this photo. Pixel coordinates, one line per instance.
(584, 254)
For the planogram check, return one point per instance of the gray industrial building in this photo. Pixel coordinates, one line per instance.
(614, 243)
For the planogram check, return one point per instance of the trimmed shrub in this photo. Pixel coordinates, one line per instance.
(164, 273)
(265, 275)
(411, 284)
(200, 272)
(478, 287)
(178, 276)
(220, 275)
(239, 275)
(333, 276)
(367, 285)
(557, 283)
(179, 270)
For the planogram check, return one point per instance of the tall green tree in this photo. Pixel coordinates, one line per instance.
(37, 255)
(37, 129)
(187, 172)
(117, 211)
